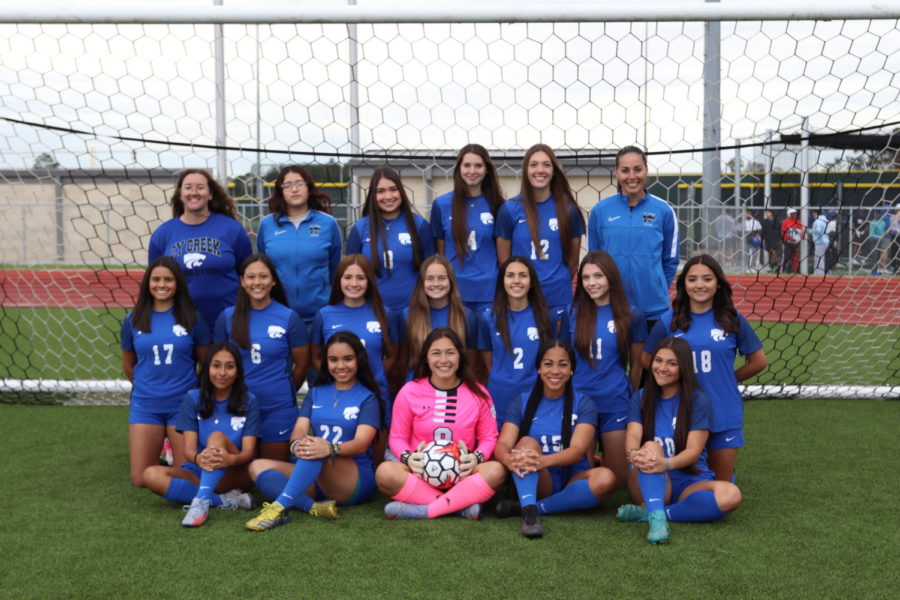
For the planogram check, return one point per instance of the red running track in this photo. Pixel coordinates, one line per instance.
(786, 298)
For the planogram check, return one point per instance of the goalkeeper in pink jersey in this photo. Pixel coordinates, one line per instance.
(443, 402)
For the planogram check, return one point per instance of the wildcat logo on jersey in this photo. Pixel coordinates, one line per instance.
(351, 412)
(179, 331)
(237, 423)
(718, 335)
(487, 218)
(554, 224)
(373, 326)
(532, 333)
(315, 230)
(648, 218)
(405, 239)
(611, 326)
(276, 331)
(194, 259)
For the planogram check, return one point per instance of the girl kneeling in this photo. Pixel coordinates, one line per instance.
(344, 408)
(668, 427)
(543, 443)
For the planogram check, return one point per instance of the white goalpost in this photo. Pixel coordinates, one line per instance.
(757, 107)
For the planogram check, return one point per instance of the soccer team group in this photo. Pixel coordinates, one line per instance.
(478, 335)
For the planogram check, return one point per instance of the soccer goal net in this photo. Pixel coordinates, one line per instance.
(749, 116)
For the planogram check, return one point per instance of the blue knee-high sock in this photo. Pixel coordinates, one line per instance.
(526, 487)
(294, 493)
(697, 508)
(653, 488)
(270, 483)
(208, 482)
(181, 491)
(575, 496)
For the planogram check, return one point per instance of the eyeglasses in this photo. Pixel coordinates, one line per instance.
(293, 184)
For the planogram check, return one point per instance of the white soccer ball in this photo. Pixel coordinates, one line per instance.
(441, 464)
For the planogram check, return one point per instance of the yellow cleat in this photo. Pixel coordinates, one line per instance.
(326, 509)
(272, 515)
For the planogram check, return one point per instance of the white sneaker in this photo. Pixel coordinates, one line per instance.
(236, 500)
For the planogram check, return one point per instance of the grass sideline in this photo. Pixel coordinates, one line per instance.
(818, 518)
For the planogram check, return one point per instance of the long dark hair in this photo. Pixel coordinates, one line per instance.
(586, 309)
(418, 324)
(464, 371)
(724, 312)
(490, 189)
(376, 221)
(240, 320)
(183, 310)
(220, 202)
(363, 370)
(652, 393)
(372, 296)
(317, 199)
(237, 399)
(535, 300)
(561, 192)
(537, 393)
(629, 150)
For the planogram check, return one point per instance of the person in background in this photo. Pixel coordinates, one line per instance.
(771, 234)
(820, 240)
(753, 241)
(860, 237)
(792, 232)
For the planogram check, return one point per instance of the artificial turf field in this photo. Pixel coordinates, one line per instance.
(819, 520)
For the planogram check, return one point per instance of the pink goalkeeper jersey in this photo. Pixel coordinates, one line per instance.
(423, 413)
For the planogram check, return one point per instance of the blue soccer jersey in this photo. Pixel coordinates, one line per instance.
(546, 427)
(273, 332)
(643, 240)
(513, 373)
(235, 427)
(362, 321)
(306, 257)
(335, 414)
(666, 417)
(398, 271)
(552, 270)
(440, 317)
(209, 254)
(714, 355)
(476, 272)
(606, 382)
(166, 359)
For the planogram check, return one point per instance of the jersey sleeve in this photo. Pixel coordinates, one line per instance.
(634, 407)
(297, 336)
(262, 233)
(586, 411)
(656, 334)
(394, 326)
(187, 416)
(401, 421)
(426, 238)
(201, 334)
(638, 326)
(700, 411)
(561, 320)
(242, 246)
(483, 331)
(315, 331)
(253, 419)
(369, 412)
(334, 252)
(398, 323)
(437, 225)
(514, 412)
(504, 226)
(670, 256)
(126, 335)
(595, 235)
(486, 428)
(576, 220)
(305, 410)
(155, 249)
(471, 330)
(747, 340)
(354, 241)
(220, 330)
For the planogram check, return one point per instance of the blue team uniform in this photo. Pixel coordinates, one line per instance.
(306, 257)
(476, 272)
(664, 434)
(273, 331)
(714, 355)
(165, 367)
(606, 383)
(398, 271)
(362, 321)
(552, 270)
(440, 317)
(235, 427)
(546, 428)
(643, 241)
(335, 414)
(209, 254)
(513, 373)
